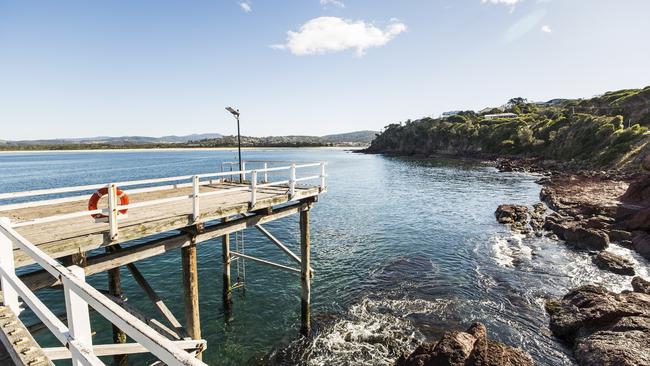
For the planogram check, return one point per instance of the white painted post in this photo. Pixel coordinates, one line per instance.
(266, 174)
(77, 314)
(196, 209)
(10, 296)
(243, 168)
(253, 188)
(292, 181)
(322, 176)
(112, 211)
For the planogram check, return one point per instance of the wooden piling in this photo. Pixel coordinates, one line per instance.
(305, 273)
(115, 289)
(191, 287)
(227, 288)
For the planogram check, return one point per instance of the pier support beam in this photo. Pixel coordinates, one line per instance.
(191, 287)
(115, 289)
(227, 288)
(305, 273)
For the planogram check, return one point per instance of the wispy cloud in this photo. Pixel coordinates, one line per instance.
(336, 3)
(245, 7)
(331, 34)
(547, 29)
(524, 25)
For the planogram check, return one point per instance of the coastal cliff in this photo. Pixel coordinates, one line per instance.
(609, 131)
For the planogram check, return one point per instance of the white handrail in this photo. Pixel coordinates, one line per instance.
(114, 209)
(159, 346)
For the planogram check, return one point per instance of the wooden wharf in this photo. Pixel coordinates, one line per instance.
(54, 242)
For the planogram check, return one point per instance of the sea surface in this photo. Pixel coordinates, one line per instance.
(402, 249)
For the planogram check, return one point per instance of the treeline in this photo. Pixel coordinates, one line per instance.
(570, 130)
(355, 139)
(188, 145)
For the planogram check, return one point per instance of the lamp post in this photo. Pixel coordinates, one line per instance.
(235, 113)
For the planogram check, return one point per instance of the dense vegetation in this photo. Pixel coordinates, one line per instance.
(359, 138)
(600, 131)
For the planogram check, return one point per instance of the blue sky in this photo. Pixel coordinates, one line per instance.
(88, 68)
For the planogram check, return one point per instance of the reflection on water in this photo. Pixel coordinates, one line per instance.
(403, 250)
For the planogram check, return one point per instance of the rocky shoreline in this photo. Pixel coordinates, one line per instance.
(586, 210)
(590, 210)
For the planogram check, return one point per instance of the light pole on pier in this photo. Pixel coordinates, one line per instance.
(235, 113)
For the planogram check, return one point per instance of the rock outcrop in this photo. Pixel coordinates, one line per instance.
(609, 261)
(641, 285)
(466, 349)
(520, 218)
(605, 328)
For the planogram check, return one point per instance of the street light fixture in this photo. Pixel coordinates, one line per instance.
(235, 113)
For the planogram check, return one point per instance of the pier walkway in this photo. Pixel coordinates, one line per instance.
(52, 236)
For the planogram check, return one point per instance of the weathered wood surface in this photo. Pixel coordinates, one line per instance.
(119, 257)
(82, 234)
(17, 346)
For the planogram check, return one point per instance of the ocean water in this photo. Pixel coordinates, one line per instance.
(403, 250)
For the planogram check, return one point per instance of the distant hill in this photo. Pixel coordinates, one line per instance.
(357, 136)
(118, 140)
(352, 139)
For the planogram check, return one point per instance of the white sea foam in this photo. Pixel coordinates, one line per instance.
(374, 332)
(506, 251)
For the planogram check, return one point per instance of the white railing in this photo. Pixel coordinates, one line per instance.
(79, 295)
(194, 181)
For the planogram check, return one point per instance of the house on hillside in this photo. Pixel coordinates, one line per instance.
(450, 113)
(500, 115)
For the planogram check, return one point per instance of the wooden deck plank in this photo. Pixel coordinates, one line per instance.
(17, 346)
(65, 237)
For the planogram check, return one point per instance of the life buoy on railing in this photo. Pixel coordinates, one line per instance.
(94, 200)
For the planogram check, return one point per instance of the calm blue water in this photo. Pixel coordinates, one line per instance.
(403, 250)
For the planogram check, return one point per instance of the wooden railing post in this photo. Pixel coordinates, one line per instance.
(292, 181)
(225, 259)
(266, 174)
(112, 211)
(253, 188)
(322, 176)
(242, 176)
(305, 272)
(196, 209)
(77, 314)
(119, 337)
(10, 296)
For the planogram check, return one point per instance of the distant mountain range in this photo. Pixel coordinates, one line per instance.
(357, 138)
(118, 140)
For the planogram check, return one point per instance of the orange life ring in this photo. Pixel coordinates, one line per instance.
(94, 200)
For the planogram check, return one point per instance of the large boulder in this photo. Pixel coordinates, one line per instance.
(625, 342)
(609, 261)
(516, 216)
(584, 238)
(605, 328)
(639, 220)
(641, 243)
(508, 214)
(470, 348)
(641, 285)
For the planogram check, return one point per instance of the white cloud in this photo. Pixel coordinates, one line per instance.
(547, 29)
(245, 7)
(331, 34)
(336, 3)
(504, 2)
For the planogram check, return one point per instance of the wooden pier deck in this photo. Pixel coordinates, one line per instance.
(82, 234)
(58, 235)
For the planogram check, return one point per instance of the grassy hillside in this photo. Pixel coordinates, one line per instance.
(603, 131)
